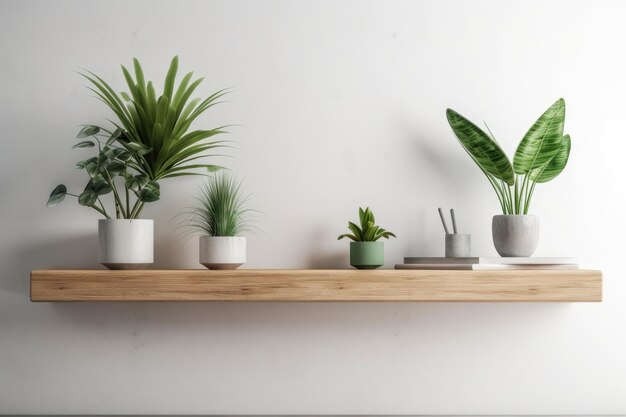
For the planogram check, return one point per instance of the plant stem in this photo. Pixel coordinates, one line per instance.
(137, 209)
(498, 191)
(529, 197)
(508, 189)
(127, 199)
(516, 193)
(524, 193)
(102, 210)
(119, 207)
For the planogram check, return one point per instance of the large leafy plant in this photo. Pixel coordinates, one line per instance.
(158, 126)
(110, 172)
(151, 141)
(368, 231)
(221, 208)
(540, 156)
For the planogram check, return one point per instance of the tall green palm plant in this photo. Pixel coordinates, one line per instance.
(540, 156)
(157, 128)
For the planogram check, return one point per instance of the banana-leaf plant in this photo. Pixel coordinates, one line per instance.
(540, 156)
(110, 172)
(368, 232)
(158, 126)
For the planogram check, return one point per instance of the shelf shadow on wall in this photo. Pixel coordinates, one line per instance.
(420, 326)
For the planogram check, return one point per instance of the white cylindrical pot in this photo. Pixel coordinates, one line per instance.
(515, 235)
(126, 244)
(222, 252)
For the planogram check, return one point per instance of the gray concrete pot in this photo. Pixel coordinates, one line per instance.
(515, 235)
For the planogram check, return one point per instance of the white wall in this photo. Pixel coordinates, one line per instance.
(340, 104)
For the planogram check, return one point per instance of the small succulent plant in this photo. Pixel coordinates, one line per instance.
(368, 232)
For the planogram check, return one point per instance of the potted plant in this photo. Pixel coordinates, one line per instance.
(540, 156)
(220, 215)
(365, 250)
(126, 242)
(151, 141)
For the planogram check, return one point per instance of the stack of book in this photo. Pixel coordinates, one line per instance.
(476, 263)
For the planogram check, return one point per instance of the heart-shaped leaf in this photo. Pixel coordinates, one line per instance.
(87, 198)
(124, 155)
(83, 164)
(152, 186)
(116, 168)
(103, 161)
(91, 165)
(136, 182)
(87, 131)
(149, 194)
(98, 186)
(57, 195)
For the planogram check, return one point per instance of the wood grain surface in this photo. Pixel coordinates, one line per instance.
(315, 285)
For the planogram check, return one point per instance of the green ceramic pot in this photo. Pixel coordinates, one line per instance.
(367, 255)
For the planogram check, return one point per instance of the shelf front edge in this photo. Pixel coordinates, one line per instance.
(317, 285)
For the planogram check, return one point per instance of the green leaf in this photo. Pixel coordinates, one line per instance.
(88, 130)
(170, 78)
(148, 196)
(349, 236)
(151, 192)
(112, 153)
(114, 136)
(57, 195)
(87, 198)
(141, 83)
(124, 155)
(362, 219)
(369, 216)
(482, 149)
(385, 234)
(98, 186)
(103, 160)
(138, 148)
(372, 230)
(356, 230)
(542, 141)
(91, 165)
(84, 144)
(556, 164)
(136, 182)
(152, 185)
(213, 168)
(116, 168)
(182, 87)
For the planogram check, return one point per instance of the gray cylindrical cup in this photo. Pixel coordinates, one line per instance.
(458, 245)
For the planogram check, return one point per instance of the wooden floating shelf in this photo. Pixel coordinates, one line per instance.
(315, 285)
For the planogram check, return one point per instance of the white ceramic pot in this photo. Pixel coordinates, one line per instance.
(126, 244)
(222, 252)
(515, 235)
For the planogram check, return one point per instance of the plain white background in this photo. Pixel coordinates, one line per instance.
(338, 104)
